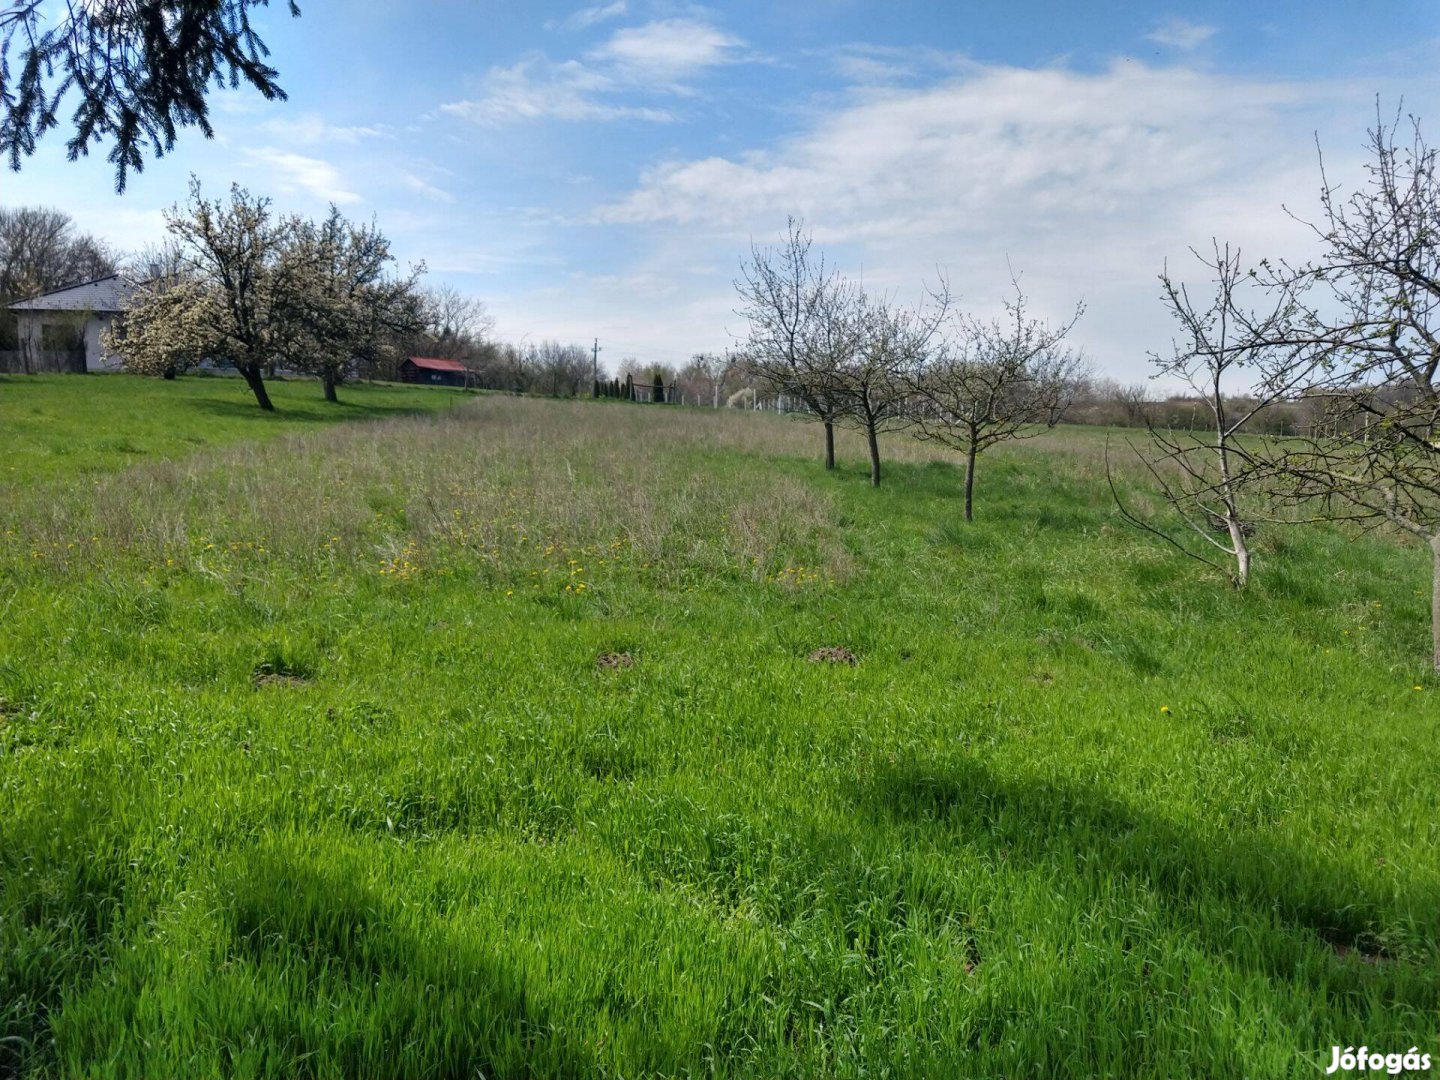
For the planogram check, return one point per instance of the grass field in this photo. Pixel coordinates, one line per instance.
(486, 743)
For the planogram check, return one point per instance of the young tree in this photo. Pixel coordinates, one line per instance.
(137, 70)
(883, 344)
(1007, 378)
(786, 296)
(1203, 477)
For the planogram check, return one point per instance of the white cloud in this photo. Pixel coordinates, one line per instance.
(296, 172)
(587, 17)
(1177, 33)
(1086, 182)
(874, 64)
(311, 128)
(612, 83)
(535, 89)
(423, 187)
(667, 50)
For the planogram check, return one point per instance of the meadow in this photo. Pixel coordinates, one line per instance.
(494, 736)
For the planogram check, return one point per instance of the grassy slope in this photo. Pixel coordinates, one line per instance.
(442, 841)
(66, 424)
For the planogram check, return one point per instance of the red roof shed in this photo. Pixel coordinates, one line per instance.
(433, 371)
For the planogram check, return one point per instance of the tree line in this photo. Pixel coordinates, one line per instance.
(846, 356)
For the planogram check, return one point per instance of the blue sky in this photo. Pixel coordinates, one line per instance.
(599, 171)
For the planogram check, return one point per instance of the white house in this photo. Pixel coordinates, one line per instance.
(90, 307)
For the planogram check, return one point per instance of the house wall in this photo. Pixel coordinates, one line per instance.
(35, 358)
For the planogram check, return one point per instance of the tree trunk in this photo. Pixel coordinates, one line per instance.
(874, 439)
(255, 379)
(970, 454)
(1242, 550)
(1233, 522)
(829, 444)
(330, 389)
(1435, 604)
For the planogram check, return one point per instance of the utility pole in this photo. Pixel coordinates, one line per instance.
(595, 369)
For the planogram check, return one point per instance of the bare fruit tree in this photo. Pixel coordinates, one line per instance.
(788, 297)
(1375, 312)
(1223, 344)
(1011, 377)
(885, 343)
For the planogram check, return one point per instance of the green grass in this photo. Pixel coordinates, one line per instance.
(67, 424)
(307, 767)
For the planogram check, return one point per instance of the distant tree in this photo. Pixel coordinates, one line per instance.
(1132, 398)
(786, 296)
(40, 250)
(995, 380)
(164, 260)
(660, 387)
(562, 370)
(706, 374)
(137, 71)
(456, 325)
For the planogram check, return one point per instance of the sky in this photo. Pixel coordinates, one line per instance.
(601, 171)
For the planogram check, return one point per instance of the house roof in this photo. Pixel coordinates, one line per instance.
(103, 295)
(429, 363)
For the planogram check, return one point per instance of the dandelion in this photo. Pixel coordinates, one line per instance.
(1165, 710)
(1417, 688)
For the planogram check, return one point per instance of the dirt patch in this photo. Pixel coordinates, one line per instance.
(1366, 951)
(1364, 947)
(265, 675)
(833, 654)
(614, 661)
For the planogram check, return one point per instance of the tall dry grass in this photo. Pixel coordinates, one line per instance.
(494, 485)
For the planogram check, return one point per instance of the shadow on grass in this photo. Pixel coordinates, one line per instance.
(320, 413)
(63, 885)
(430, 1003)
(1054, 825)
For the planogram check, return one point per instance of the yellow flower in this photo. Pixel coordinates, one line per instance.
(1417, 688)
(1165, 710)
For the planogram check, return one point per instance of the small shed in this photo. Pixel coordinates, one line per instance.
(60, 330)
(426, 369)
